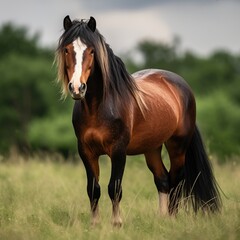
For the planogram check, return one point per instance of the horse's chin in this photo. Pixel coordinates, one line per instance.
(77, 97)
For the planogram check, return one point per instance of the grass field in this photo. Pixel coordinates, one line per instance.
(45, 199)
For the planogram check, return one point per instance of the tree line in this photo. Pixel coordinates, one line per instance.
(33, 118)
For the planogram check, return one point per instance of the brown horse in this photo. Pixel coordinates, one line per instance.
(118, 114)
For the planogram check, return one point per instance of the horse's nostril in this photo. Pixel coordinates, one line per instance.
(70, 87)
(82, 87)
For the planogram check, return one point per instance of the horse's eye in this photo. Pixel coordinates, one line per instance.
(65, 51)
(92, 51)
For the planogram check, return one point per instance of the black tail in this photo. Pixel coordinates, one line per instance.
(200, 185)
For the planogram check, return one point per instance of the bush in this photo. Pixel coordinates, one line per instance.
(218, 117)
(24, 84)
(53, 133)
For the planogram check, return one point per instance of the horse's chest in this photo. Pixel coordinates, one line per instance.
(95, 138)
(93, 135)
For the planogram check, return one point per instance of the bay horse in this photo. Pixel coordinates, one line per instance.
(119, 114)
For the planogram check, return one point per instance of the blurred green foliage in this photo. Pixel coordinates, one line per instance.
(53, 133)
(32, 116)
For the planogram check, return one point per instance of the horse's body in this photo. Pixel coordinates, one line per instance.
(165, 111)
(116, 114)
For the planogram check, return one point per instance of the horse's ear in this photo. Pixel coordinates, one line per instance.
(92, 24)
(67, 23)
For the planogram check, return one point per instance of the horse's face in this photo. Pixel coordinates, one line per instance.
(79, 60)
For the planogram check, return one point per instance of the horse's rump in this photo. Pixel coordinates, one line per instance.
(166, 96)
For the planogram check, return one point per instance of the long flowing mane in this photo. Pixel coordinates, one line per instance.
(118, 84)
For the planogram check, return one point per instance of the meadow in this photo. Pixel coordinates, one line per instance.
(44, 197)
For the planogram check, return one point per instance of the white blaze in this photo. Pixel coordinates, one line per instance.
(79, 49)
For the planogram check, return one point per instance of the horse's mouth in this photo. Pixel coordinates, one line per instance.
(80, 95)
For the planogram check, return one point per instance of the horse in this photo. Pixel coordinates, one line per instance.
(118, 114)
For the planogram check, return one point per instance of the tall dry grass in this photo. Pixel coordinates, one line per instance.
(45, 199)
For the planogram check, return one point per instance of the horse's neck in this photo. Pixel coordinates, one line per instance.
(96, 102)
(94, 94)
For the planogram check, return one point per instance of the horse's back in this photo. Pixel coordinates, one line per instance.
(165, 84)
(157, 76)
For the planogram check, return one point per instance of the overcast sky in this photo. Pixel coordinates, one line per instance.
(202, 25)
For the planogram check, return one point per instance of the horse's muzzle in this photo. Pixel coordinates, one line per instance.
(78, 94)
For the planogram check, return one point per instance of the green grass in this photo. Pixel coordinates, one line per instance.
(45, 199)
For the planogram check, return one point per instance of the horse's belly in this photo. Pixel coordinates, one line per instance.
(151, 133)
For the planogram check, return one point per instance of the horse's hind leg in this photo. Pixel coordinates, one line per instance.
(176, 147)
(161, 179)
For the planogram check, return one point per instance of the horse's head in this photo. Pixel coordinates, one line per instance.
(77, 56)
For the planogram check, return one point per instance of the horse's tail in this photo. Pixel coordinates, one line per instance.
(200, 184)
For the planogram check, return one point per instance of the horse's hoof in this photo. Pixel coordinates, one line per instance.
(117, 223)
(95, 221)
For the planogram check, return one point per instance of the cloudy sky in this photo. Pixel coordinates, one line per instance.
(202, 25)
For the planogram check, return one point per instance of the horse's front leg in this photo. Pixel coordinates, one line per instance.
(93, 188)
(118, 158)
